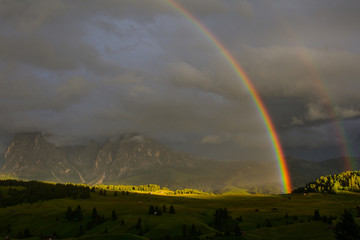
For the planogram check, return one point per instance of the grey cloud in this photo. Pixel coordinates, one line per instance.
(221, 82)
(37, 52)
(27, 16)
(64, 55)
(74, 89)
(79, 69)
(310, 75)
(318, 112)
(295, 121)
(30, 93)
(309, 137)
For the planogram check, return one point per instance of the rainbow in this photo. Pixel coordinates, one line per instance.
(323, 92)
(325, 96)
(285, 176)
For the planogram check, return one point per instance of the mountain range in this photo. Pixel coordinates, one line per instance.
(135, 159)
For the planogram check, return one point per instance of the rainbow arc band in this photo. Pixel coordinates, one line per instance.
(330, 105)
(285, 176)
(326, 99)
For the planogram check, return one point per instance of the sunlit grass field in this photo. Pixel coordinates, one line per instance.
(46, 217)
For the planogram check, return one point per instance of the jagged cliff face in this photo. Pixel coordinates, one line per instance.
(122, 157)
(133, 159)
(31, 156)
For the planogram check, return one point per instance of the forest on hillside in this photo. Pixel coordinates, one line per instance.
(345, 181)
(13, 192)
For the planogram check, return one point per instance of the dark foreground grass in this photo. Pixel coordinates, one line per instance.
(264, 217)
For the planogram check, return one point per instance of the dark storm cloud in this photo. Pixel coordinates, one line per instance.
(81, 69)
(308, 75)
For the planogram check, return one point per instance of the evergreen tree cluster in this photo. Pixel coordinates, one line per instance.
(74, 215)
(158, 211)
(225, 223)
(192, 234)
(146, 188)
(347, 228)
(155, 210)
(140, 188)
(189, 191)
(24, 234)
(102, 192)
(113, 215)
(349, 180)
(324, 218)
(96, 219)
(139, 226)
(35, 191)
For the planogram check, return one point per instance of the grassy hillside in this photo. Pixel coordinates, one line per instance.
(345, 181)
(257, 212)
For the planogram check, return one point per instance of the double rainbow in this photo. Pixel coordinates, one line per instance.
(285, 176)
(322, 90)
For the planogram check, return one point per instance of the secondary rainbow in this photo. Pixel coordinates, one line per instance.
(285, 176)
(317, 80)
(330, 104)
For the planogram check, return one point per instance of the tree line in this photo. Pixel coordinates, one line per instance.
(33, 191)
(148, 188)
(349, 181)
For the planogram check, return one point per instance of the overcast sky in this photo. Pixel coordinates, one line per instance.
(97, 69)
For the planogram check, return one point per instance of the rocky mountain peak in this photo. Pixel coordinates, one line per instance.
(26, 143)
(35, 138)
(31, 155)
(136, 159)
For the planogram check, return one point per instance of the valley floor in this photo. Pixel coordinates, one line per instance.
(263, 217)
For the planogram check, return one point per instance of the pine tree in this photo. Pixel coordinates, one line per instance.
(69, 214)
(240, 219)
(346, 228)
(78, 214)
(172, 209)
(317, 215)
(268, 223)
(113, 215)
(138, 224)
(151, 210)
(184, 231)
(94, 214)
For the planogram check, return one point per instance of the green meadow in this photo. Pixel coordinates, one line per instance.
(263, 217)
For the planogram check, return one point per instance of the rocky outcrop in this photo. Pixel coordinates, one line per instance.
(129, 153)
(134, 159)
(32, 156)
